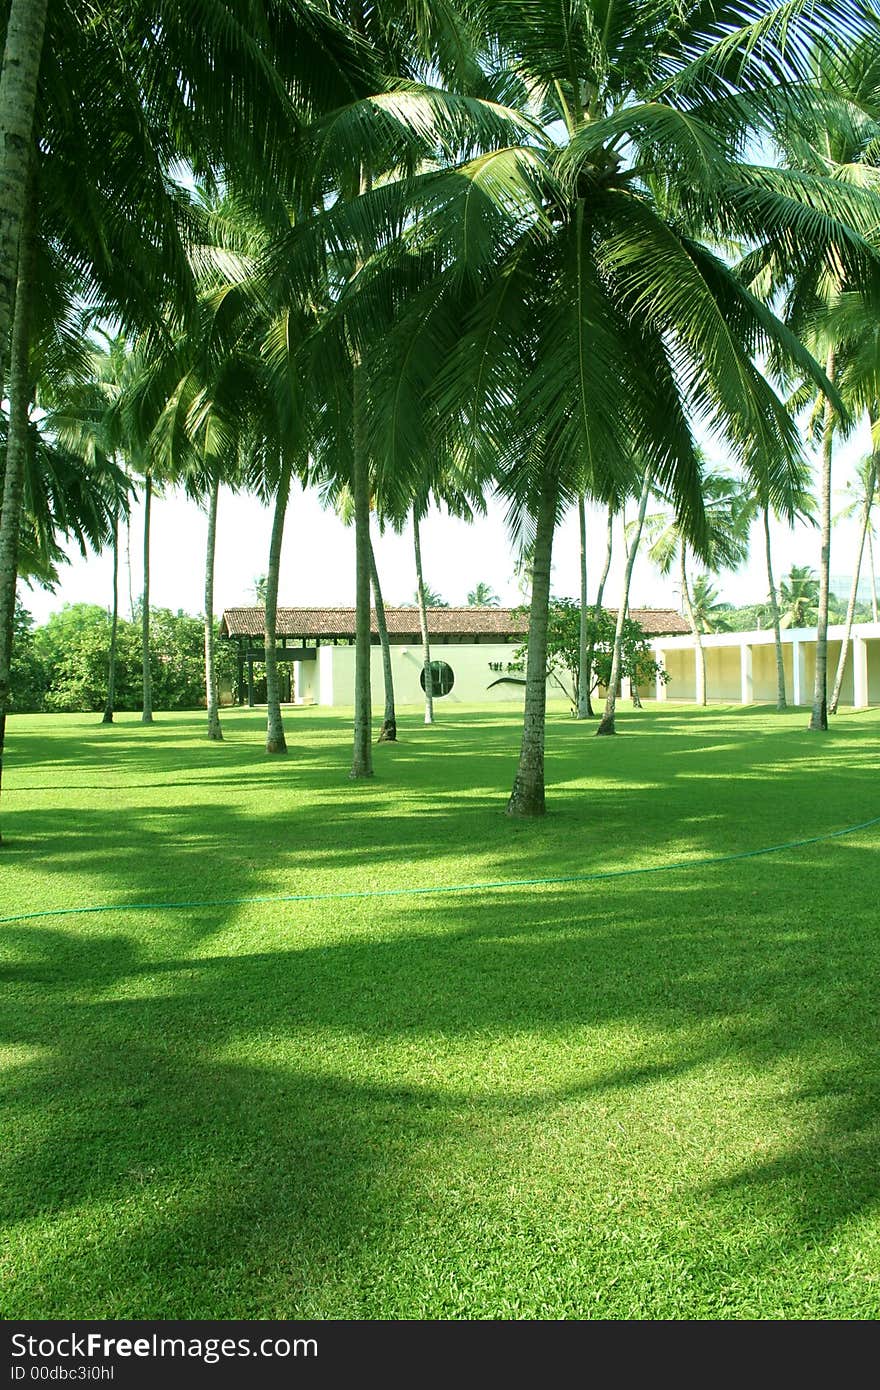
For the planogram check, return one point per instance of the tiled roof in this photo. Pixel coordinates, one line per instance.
(404, 622)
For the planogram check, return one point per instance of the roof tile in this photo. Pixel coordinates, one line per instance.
(404, 622)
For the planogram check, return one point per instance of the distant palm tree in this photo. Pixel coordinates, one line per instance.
(862, 499)
(709, 611)
(432, 599)
(799, 597)
(867, 477)
(483, 596)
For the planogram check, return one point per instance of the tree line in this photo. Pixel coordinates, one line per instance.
(412, 255)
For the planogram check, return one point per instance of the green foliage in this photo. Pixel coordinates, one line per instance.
(483, 596)
(563, 648)
(28, 673)
(70, 657)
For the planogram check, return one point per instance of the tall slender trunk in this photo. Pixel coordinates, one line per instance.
(854, 589)
(819, 715)
(606, 723)
(388, 731)
(583, 692)
(275, 740)
(700, 692)
(362, 752)
(16, 447)
(147, 715)
(774, 609)
(214, 729)
(600, 594)
(25, 30)
(427, 672)
(128, 566)
(527, 796)
(109, 707)
(873, 576)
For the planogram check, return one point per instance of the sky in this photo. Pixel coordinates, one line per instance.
(317, 565)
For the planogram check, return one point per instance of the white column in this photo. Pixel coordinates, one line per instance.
(324, 674)
(660, 685)
(296, 682)
(798, 673)
(860, 673)
(745, 674)
(625, 688)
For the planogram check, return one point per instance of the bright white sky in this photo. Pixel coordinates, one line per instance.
(318, 557)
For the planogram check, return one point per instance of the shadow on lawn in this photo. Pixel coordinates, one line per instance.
(289, 1182)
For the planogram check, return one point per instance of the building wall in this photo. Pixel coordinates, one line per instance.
(874, 673)
(471, 665)
(764, 674)
(679, 663)
(723, 674)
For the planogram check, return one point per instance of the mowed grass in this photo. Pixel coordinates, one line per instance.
(648, 1096)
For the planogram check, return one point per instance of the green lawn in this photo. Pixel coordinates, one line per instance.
(653, 1096)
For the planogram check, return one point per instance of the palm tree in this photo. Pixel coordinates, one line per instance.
(867, 475)
(25, 26)
(709, 611)
(727, 548)
(577, 257)
(861, 503)
(482, 596)
(388, 731)
(585, 669)
(834, 134)
(753, 503)
(799, 597)
(606, 723)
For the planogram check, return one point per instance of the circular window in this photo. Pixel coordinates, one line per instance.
(442, 678)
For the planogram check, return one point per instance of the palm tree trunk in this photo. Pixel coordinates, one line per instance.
(774, 609)
(597, 606)
(25, 29)
(109, 707)
(427, 675)
(819, 716)
(214, 729)
(275, 740)
(700, 692)
(527, 796)
(583, 700)
(854, 590)
(147, 714)
(16, 447)
(873, 577)
(362, 760)
(606, 723)
(388, 731)
(128, 566)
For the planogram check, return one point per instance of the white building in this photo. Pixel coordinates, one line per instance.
(473, 652)
(741, 666)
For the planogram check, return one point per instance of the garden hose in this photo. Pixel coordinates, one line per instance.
(487, 887)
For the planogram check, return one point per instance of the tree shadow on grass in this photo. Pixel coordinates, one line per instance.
(452, 1104)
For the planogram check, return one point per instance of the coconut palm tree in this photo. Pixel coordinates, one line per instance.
(861, 502)
(709, 611)
(799, 597)
(483, 596)
(867, 476)
(834, 135)
(597, 321)
(606, 724)
(752, 504)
